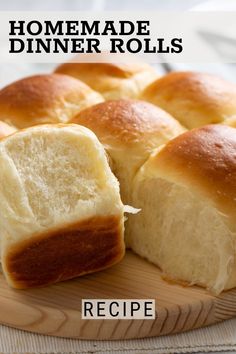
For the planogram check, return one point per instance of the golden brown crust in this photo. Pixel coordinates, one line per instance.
(128, 122)
(113, 80)
(119, 70)
(204, 159)
(193, 98)
(44, 99)
(58, 255)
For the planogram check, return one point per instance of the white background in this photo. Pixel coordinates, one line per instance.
(10, 72)
(97, 5)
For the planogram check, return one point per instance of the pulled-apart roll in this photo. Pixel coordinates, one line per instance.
(129, 130)
(187, 193)
(194, 99)
(61, 213)
(45, 99)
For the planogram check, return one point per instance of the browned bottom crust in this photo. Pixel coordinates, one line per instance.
(66, 253)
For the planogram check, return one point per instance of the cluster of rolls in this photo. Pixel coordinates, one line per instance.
(89, 142)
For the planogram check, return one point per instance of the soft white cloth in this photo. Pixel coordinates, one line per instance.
(219, 337)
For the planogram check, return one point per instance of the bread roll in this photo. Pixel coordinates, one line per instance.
(195, 99)
(129, 130)
(61, 213)
(44, 99)
(6, 129)
(187, 192)
(112, 79)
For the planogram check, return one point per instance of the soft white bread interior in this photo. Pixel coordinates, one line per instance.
(43, 99)
(61, 212)
(113, 79)
(194, 99)
(6, 129)
(187, 193)
(129, 130)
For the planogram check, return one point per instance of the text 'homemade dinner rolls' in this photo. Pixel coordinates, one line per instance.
(129, 130)
(195, 99)
(45, 99)
(61, 213)
(112, 80)
(187, 192)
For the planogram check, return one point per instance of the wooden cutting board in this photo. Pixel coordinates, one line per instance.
(56, 310)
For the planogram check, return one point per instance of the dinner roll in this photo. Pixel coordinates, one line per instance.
(61, 213)
(6, 129)
(112, 79)
(129, 130)
(187, 192)
(195, 99)
(45, 99)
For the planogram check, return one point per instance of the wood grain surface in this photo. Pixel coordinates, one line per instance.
(56, 310)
